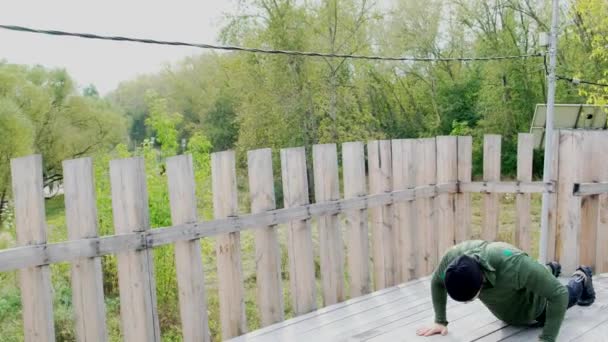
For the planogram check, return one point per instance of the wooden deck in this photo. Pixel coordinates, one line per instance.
(395, 313)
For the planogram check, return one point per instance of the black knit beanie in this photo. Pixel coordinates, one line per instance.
(463, 278)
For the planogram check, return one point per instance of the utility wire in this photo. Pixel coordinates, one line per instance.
(297, 53)
(265, 51)
(576, 81)
(572, 80)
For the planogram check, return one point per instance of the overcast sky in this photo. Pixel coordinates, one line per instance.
(105, 63)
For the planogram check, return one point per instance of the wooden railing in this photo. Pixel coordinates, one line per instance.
(418, 200)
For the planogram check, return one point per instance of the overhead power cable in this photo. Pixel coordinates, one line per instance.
(265, 51)
(573, 80)
(577, 81)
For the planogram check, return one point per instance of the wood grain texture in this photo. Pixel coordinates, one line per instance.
(590, 205)
(463, 200)
(30, 223)
(404, 177)
(491, 172)
(497, 187)
(136, 278)
(522, 234)
(447, 171)
(601, 257)
(267, 252)
(228, 246)
(568, 205)
(380, 181)
(357, 242)
(588, 189)
(301, 267)
(394, 314)
(426, 174)
(188, 258)
(340, 321)
(552, 240)
(81, 222)
(331, 248)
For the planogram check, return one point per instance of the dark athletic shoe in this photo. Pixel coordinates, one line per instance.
(588, 296)
(556, 268)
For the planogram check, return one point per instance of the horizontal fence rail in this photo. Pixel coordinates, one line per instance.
(44, 254)
(587, 189)
(507, 187)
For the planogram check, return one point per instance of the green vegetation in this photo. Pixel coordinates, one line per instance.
(241, 101)
(40, 112)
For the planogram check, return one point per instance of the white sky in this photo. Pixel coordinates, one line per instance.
(106, 63)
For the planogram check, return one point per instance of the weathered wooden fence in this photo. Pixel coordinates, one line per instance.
(582, 215)
(416, 192)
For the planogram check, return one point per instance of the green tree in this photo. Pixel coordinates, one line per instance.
(592, 30)
(90, 91)
(17, 138)
(196, 87)
(162, 123)
(130, 98)
(41, 112)
(220, 123)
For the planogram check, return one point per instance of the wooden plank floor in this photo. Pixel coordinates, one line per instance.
(394, 314)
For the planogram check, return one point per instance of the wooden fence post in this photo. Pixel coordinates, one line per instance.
(135, 268)
(267, 252)
(601, 257)
(301, 262)
(463, 200)
(568, 205)
(353, 162)
(228, 246)
(404, 174)
(590, 205)
(188, 258)
(81, 221)
(552, 240)
(327, 188)
(380, 181)
(35, 282)
(491, 172)
(447, 172)
(523, 221)
(426, 174)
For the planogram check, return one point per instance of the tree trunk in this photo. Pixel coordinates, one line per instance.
(333, 105)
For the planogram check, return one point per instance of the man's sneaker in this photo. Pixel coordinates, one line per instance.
(556, 268)
(588, 296)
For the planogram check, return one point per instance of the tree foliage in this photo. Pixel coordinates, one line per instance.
(246, 101)
(41, 112)
(592, 27)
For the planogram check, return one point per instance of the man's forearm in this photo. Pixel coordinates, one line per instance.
(556, 309)
(439, 301)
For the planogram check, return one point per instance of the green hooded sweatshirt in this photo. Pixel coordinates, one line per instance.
(516, 288)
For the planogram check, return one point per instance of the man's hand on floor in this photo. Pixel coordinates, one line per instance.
(434, 330)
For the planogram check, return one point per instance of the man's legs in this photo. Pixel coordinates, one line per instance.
(575, 287)
(587, 297)
(555, 268)
(580, 287)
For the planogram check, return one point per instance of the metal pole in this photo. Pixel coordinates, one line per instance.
(548, 169)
